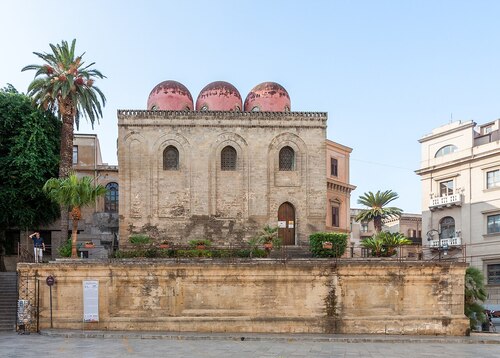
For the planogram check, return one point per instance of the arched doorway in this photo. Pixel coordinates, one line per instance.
(286, 224)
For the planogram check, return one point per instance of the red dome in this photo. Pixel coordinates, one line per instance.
(268, 97)
(170, 96)
(219, 96)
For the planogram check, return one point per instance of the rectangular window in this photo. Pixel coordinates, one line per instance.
(335, 216)
(75, 154)
(493, 224)
(364, 226)
(494, 274)
(446, 188)
(493, 179)
(334, 170)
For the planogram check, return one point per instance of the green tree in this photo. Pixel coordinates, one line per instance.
(64, 85)
(376, 207)
(73, 193)
(29, 155)
(475, 293)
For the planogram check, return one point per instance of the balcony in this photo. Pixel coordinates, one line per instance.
(443, 202)
(450, 242)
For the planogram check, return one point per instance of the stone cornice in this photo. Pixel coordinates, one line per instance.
(139, 118)
(339, 186)
(464, 160)
(134, 113)
(446, 132)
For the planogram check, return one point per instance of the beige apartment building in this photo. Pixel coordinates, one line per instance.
(460, 173)
(100, 221)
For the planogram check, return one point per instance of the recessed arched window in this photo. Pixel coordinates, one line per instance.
(447, 227)
(447, 149)
(228, 158)
(171, 158)
(256, 109)
(154, 108)
(111, 198)
(204, 108)
(287, 159)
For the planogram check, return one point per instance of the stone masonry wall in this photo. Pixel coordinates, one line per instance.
(200, 200)
(355, 297)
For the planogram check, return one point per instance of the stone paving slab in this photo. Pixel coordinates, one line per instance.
(194, 345)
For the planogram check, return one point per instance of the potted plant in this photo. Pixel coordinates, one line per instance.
(269, 237)
(200, 244)
(88, 245)
(164, 244)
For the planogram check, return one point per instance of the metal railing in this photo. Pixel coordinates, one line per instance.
(448, 200)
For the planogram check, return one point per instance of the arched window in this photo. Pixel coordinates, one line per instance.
(228, 158)
(447, 227)
(111, 198)
(171, 158)
(447, 149)
(287, 159)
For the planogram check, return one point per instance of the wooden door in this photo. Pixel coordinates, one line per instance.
(286, 224)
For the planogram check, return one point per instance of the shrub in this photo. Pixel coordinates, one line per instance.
(339, 241)
(139, 239)
(65, 249)
(196, 242)
(384, 244)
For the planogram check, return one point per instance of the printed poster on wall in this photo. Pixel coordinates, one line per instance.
(282, 224)
(90, 301)
(290, 224)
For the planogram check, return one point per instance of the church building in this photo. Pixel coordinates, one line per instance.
(220, 168)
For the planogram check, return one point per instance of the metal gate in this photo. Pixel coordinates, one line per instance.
(28, 304)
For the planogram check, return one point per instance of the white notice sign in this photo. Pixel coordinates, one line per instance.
(282, 224)
(90, 301)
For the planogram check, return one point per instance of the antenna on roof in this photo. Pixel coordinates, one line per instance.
(451, 117)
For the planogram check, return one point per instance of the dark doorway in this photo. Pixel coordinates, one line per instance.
(286, 224)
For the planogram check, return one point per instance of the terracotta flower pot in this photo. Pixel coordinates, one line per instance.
(268, 245)
(200, 247)
(328, 245)
(89, 246)
(164, 246)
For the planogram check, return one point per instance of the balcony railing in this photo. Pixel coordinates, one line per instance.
(452, 241)
(448, 201)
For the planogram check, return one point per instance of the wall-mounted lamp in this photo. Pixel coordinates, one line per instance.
(442, 247)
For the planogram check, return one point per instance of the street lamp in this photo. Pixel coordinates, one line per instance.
(442, 247)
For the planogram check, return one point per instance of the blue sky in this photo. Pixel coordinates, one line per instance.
(387, 72)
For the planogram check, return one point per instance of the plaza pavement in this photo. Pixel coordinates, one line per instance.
(76, 343)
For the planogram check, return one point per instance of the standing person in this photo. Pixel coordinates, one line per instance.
(38, 246)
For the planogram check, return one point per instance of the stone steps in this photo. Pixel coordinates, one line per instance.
(291, 252)
(8, 301)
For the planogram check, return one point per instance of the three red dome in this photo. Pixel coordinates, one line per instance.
(219, 96)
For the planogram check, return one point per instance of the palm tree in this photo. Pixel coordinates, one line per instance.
(475, 293)
(64, 85)
(376, 207)
(73, 193)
